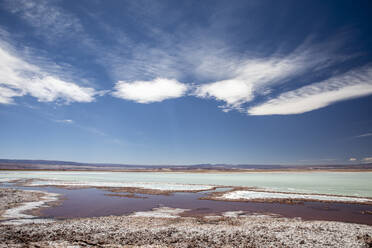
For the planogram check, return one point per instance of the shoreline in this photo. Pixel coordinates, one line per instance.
(173, 227)
(27, 207)
(197, 171)
(219, 196)
(214, 194)
(199, 204)
(231, 230)
(202, 199)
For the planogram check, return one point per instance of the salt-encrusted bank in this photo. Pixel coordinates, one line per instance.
(163, 227)
(15, 204)
(262, 195)
(152, 186)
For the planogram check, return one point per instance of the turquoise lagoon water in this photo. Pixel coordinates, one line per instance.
(340, 183)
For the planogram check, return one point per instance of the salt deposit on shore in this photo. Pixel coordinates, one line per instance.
(152, 186)
(233, 214)
(156, 229)
(5, 180)
(18, 212)
(261, 195)
(13, 211)
(163, 212)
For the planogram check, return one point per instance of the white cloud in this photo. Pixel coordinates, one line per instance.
(235, 78)
(49, 88)
(350, 85)
(352, 159)
(156, 90)
(255, 76)
(367, 160)
(6, 95)
(19, 78)
(251, 75)
(234, 92)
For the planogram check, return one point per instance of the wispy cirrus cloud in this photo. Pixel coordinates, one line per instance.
(196, 52)
(92, 130)
(353, 84)
(7, 94)
(252, 76)
(124, 59)
(156, 90)
(363, 135)
(67, 121)
(46, 17)
(249, 76)
(19, 77)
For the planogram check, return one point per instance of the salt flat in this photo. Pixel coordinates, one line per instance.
(333, 183)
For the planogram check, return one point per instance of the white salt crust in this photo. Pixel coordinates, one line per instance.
(155, 186)
(254, 195)
(233, 214)
(18, 216)
(163, 212)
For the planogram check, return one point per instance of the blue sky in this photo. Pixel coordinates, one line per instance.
(184, 82)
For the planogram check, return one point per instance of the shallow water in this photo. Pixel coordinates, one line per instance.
(92, 202)
(338, 183)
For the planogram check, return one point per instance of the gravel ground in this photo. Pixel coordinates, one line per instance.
(124, 231)
(225, 231)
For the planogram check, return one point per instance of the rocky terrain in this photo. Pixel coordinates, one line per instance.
(125, 231)
(231, 230)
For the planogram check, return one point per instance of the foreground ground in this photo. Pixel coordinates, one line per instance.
(11, 198)
(129, 231)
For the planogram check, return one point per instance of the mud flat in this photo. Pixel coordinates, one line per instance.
(163, 227)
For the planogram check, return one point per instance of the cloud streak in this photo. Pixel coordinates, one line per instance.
(67, 121)
(7, 94)
(49, 20)
(353, 84)
(142, 69)
(367, 160)
(156, 90)
(251, 75)
(363, 135)
(19, 78)
(254, 76)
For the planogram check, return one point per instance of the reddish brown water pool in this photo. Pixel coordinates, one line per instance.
(92, 202)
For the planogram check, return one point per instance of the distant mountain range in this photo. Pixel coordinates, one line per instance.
(67, 165)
